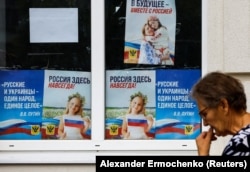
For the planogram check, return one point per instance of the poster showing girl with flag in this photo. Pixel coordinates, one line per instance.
(150, 32)
(67, 105)
(130, 105)
(151, 104)
(33, 102)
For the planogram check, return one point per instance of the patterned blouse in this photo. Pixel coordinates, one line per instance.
(239, 144)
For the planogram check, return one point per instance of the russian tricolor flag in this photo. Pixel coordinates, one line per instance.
(137, 122)
(73, 123)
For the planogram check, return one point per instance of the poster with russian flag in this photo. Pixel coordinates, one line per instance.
(162, 103)
(59, 88)
(21, 104)
(34, 101)
(137, 122)
(75, 122)
(150, 32)
(176, 113)
(125, 91)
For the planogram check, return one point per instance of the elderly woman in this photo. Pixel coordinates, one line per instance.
(222, 103)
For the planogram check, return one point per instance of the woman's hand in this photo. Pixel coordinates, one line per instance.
(203, 142)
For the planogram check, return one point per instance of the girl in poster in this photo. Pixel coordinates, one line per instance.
(160, 39)
(136, 123)
(147, 51)
(130, 99)
(157, 17)
(60, 88)
(72, 124)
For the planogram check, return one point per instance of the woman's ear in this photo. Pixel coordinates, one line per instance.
(224, 104)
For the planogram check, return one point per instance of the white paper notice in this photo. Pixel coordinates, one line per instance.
(53, 25)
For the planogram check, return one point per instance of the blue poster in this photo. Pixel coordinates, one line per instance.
(34, 103)
(21, 104)
(177, 115)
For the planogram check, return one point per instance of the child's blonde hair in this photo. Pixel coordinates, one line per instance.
(82, 101)
(144, 100)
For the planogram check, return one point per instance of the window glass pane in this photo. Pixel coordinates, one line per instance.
(153, 57)
(45, 76)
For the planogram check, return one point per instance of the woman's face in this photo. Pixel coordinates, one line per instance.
(154, 24)
(74, 105)
(148, 30)
(215, 118)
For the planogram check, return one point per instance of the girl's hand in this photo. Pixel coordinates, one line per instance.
(127, 135)
(165, 57)
(63, 136)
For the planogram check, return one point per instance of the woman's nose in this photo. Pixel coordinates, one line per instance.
(205, 123)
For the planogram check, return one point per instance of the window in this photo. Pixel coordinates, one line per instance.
(53, 50)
